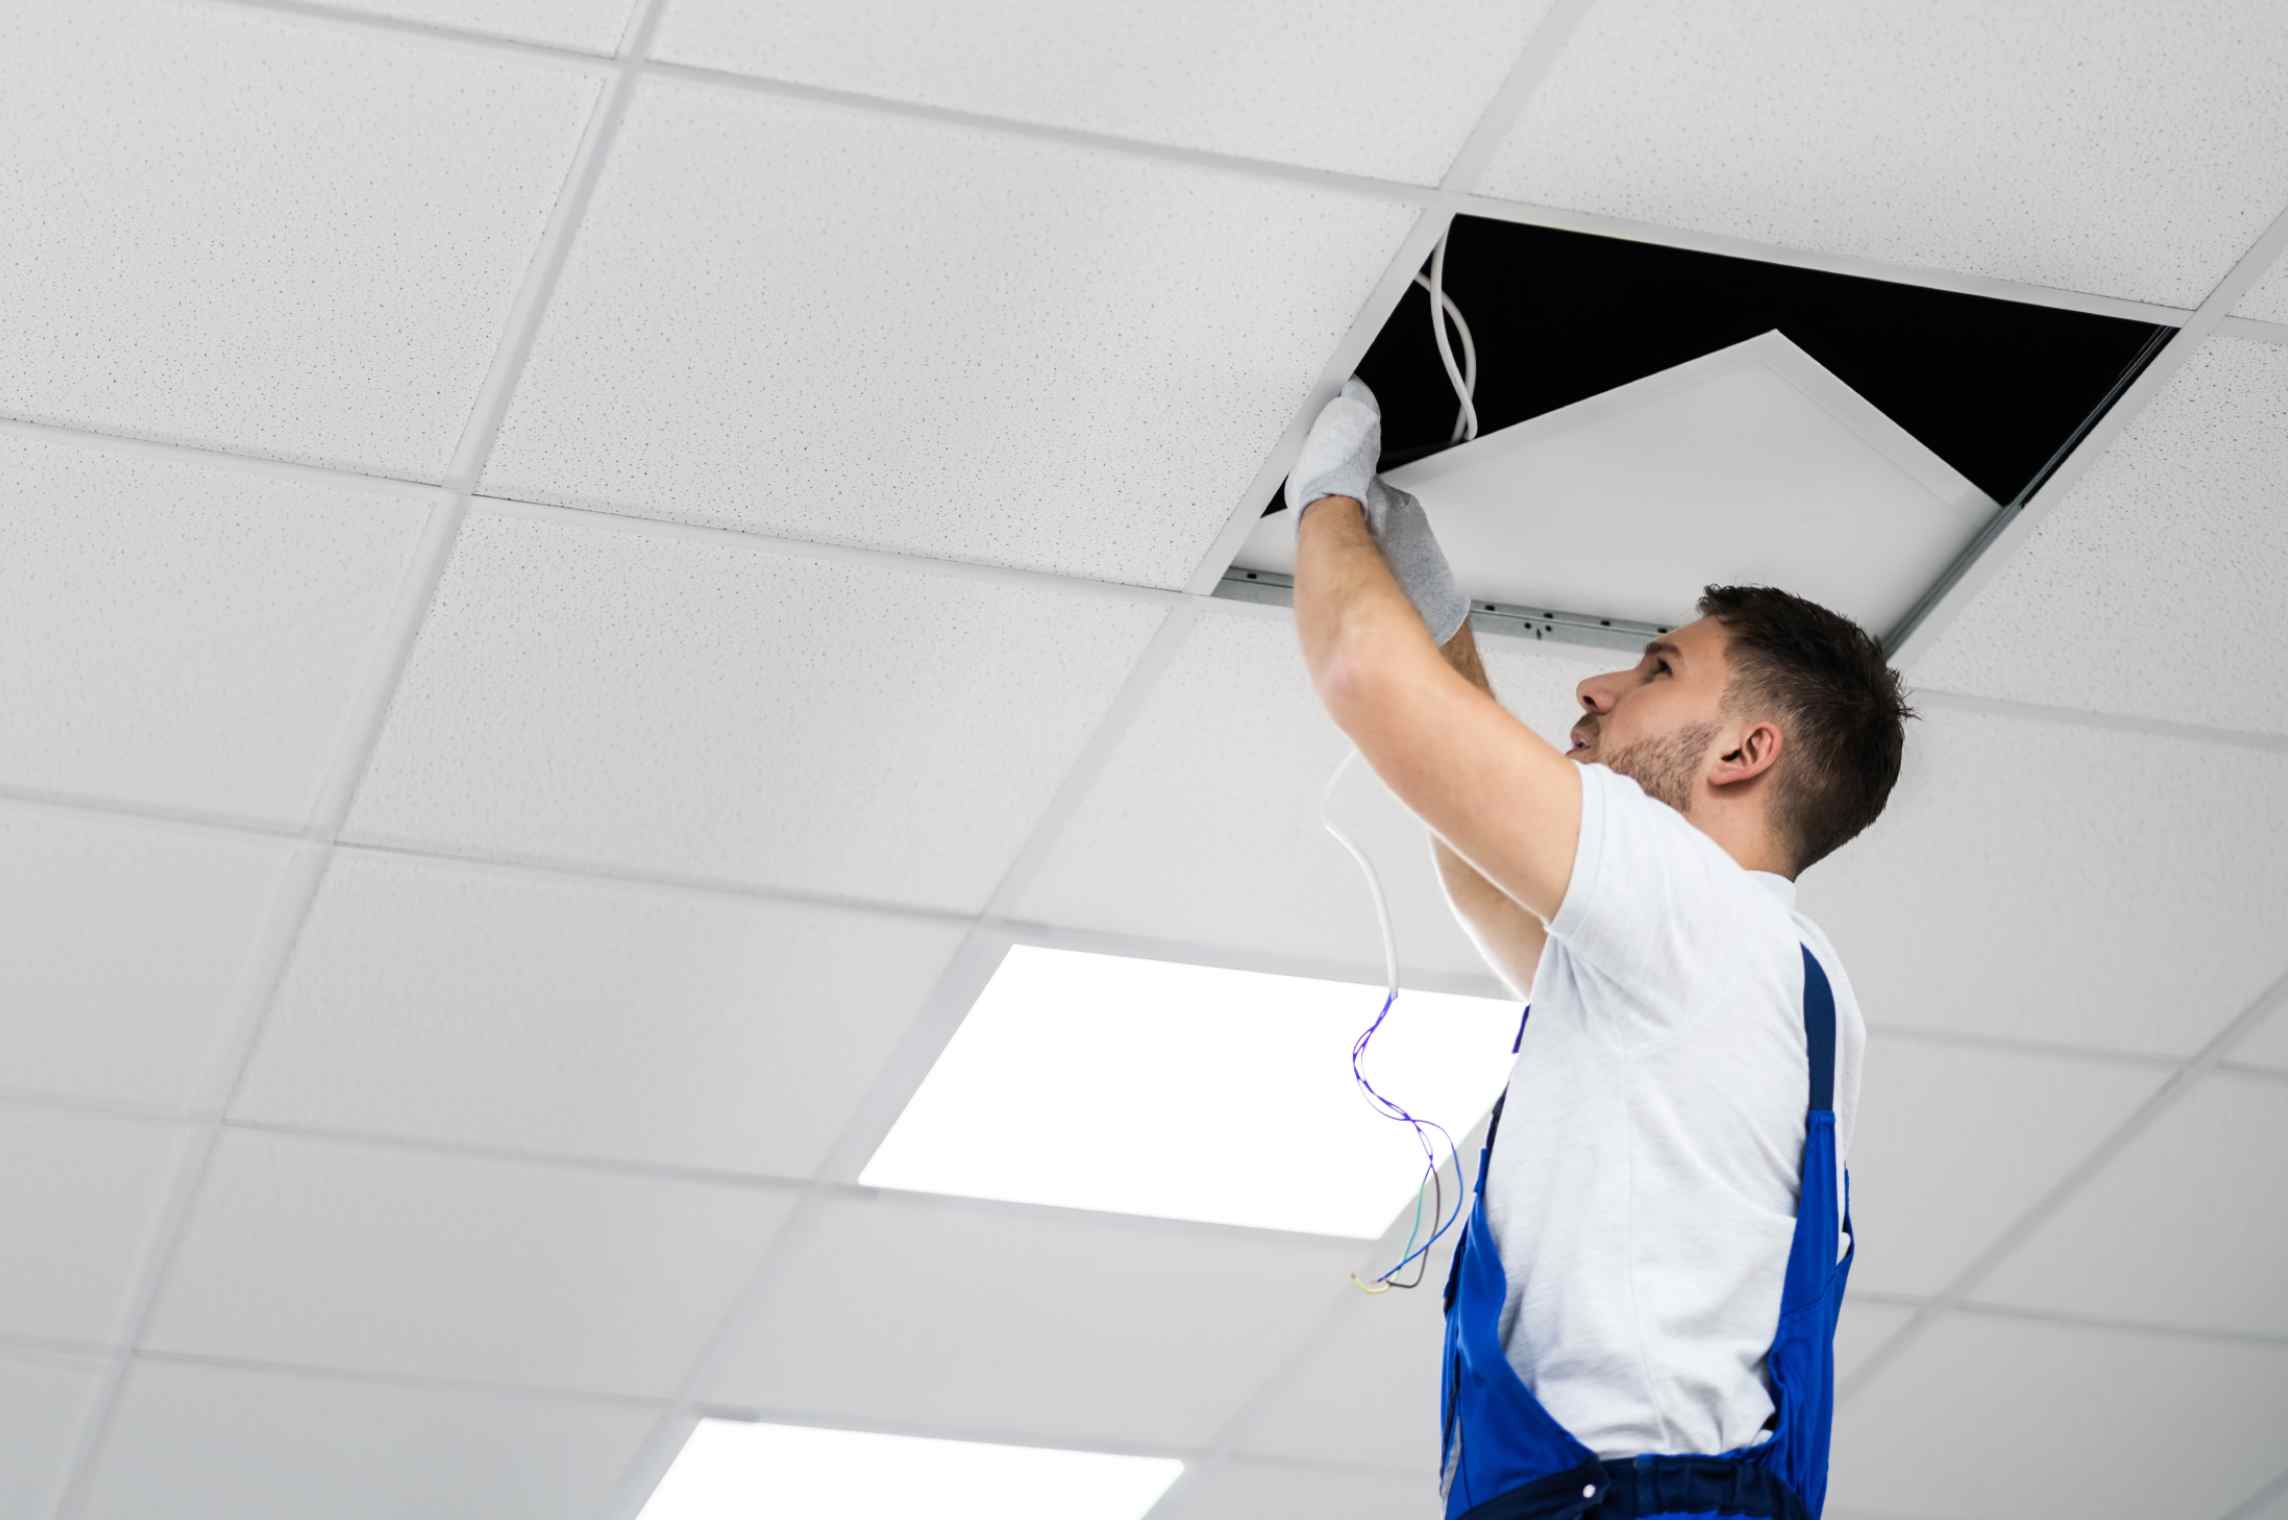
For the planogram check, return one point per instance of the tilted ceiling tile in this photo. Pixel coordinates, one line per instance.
(363, 1258)
(586, 1018)
(44, 1399)
(1925, 1197)
(2111, 147)
(208, 1440)
(1206, 826)
(2183, 1226)
(1991, 1416)
(825, 323)
(166, 610)
(2046, 881)
(712, 705)
(964, 1318)
(81, 1194)
(1256, 78)
(126, 951)
(1256, 1491)
(592, 26)
(265, 232)
(2267, 299)
(2142, 592)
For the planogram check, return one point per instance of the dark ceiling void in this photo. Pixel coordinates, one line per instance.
(1997, 389)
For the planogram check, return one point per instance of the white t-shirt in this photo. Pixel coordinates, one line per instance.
(1643, 1186)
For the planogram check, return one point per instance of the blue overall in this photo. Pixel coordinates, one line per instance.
(1504, 1457)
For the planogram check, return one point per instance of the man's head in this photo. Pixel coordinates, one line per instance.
(1771, 722)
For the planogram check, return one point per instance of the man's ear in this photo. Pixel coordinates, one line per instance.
(1755, 751)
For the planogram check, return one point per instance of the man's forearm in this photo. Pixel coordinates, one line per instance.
(1465, 885)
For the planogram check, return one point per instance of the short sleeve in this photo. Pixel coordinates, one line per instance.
(1652, 903)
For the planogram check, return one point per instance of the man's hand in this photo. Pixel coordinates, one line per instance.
(1339, 459)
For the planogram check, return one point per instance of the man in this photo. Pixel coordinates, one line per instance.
(1641, 1311)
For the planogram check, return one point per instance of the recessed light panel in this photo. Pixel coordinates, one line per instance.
(732, 1470)
(1196, 1092)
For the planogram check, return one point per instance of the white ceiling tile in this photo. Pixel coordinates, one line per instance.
(586, 1018)
(125, 950)
(2042, 880)
(2274, 1504)
(2138, 593)
(1864, 1329)
(204, 1440)
(1925, 1195)
(2267, 299)
(1205, 825)
(593, 26)
(81, 1195)
(993, 349)
(716, 706)
(1254, 1491)
(265, 232)
(44, 1398)
(359, 1258)
(1247, 77)
(965, 1318)
(2266, 1044)
(165, 608)
(1986, 1416)
(2184, 1226)
(2106, 147)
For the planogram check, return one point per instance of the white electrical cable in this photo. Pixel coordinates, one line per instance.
(1464, 378)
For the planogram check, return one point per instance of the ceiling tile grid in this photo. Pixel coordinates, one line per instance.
(2165, 556)
(326, 1254)
(2034, 880)
(989, 1320)
(166, 608)
(1205, 824)
(267, 233)
(1267, 79)
(45, 1398)
(195, 1439)
(2267, 300)
(2267, 1043)
(589, 26)
(1084, 357)
(2107, 148)
(2183, 1226)
(127, 950)
(583, 1018)
(1260, 1491)
(708, 705)
(82, 1195)
(2130, 1424)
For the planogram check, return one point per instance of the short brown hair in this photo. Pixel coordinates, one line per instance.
(1827, 684)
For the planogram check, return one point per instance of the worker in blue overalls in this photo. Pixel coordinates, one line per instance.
(1640, 1311)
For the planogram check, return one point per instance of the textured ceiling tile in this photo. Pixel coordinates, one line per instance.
(1252, 1491)
(971, 1319)
(1205, 825)
(1987, 1416)
(267, 233)
(2045, 881)
(2267, 300)
(214, 1441)
(1930, 1120)
(586, 1018)
(2199, 1192)
(324, 1253)
(44, 1397)
(717, 706)
(593, 26)
(2267, 1044)
(1258, 78)
(2137, 593)
(843, 326)
(2117, 148)
(164, 609)
(125, 950)
(80, 1195)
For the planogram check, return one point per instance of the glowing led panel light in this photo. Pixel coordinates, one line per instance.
(1194, 1092)
(731, 1470)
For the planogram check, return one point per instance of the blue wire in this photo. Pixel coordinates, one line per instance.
(1395, 1111)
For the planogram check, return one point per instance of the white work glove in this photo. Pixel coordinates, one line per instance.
(1339, 459)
